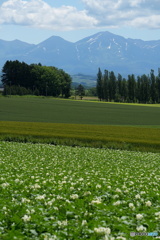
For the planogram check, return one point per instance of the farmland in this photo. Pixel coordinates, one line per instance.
(80, 123)
(51, 110)
(87, 191)
(59, 192)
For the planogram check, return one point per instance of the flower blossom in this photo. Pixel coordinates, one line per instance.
(139, 216)
(102, 230)
(148, 203)
(141, 228)
(26, 218)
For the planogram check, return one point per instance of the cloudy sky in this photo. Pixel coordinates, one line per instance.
(36, 20)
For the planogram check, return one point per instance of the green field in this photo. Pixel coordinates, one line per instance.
(59, 192)
(83, 123)
(77, 112)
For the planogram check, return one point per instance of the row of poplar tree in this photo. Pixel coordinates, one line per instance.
(143, 89)
(19, 78)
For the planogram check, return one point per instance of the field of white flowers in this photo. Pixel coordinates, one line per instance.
(58, 192)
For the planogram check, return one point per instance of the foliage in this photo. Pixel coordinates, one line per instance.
(38, 79)
(57, 192)
(144, 89)
(99, 85)
(80, 91)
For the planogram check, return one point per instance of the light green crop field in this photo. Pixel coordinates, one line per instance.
(58, 192)
(83, 123)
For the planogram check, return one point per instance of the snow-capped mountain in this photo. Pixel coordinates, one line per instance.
(104, 50)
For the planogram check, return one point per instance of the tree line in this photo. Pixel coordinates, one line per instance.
(143, 89)
(19, 78)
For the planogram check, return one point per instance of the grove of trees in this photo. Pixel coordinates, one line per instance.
(143, 89)
(19, 78)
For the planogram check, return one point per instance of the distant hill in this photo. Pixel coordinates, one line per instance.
(104, 50)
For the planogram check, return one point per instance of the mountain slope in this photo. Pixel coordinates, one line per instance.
(104, 50)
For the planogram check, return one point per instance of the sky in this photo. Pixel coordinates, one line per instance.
(34, 21)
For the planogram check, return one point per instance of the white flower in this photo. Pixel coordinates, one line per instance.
(96, 201)
(87, 193)
(25, 200)
(141, 228)
(148, 203)
(63, 223)
(81, 179)
(26, 218)
(120, 237)
(84, 222)
(102, 230)
(131, 205)
(137, 196)
(74, 196)
(40, 197)
(98, 186)
(139, 216)
(17, 180)
(106, 237)
(142, 192)
(115, 196)
(4, 185)
(118, 190)
(157, 214)
(36, 186)
(34, 232)
(117, 203)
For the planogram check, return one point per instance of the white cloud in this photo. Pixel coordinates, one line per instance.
(39, 14)
(96, 13)
(138, 13)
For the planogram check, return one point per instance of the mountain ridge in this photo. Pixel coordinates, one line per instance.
(103, 49)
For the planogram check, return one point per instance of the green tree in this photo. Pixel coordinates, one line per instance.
(80, 91)
(124, 92)
(112, 86)
(105, 85)
(153, 87)
(131, 88)
(99, 84)
(41, 80)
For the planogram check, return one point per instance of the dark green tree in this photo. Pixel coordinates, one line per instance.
(42, 80)
(112, 86)
(105, 85)
(124, 93)
(154, 96)
(80, 91)
(131, 88)
(99, 84)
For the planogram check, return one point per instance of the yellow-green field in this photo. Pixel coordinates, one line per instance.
(89, 135)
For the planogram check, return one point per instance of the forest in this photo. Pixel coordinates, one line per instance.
(19, 78)
(140, 89)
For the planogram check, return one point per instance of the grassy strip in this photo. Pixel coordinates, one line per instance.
(116, 137)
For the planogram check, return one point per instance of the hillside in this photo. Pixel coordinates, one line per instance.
(104, 50)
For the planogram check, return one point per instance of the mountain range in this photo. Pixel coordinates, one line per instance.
(104, 49)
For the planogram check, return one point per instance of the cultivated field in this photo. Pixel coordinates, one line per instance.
(51, 110)
(58, 192)
(82, 123)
